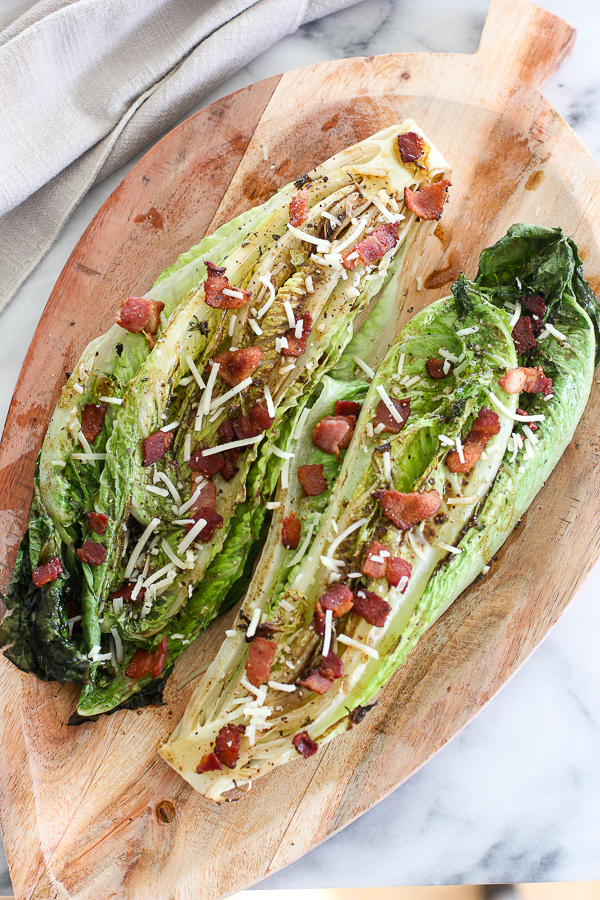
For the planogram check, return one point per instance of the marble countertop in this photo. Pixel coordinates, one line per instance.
(515, 796)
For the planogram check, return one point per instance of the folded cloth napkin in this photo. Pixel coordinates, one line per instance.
(86, 84)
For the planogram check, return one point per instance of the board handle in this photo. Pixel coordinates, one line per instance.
(523, 43)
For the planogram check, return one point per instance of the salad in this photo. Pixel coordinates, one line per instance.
(454, 435)
(153, 488)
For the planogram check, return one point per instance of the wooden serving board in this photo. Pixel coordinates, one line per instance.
(93, 812)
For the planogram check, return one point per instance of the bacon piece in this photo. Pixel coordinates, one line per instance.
(208, 763)
(428, 202)
(347, 408)
(536, 305)
(297, 345)
(339, 599)
(304, 744)
(140, 314)
(92, 419)
(333, 433)
(260, 659)
(205, 465)
(148, 662)
(319, 619)
(410, 146)
(155, 446)
(331, 666)
(236, 365)
(316, 682)
(384, 417)
(373, 247)
(227, 745)
(435, 368)
(245, 428)
(92, 553)
(206, 499)
(98, 522)
(260, 416)
(373, 608)
(216, 282)
(227, 432)
(125, 593)
(290, 532)
(522, 335)
(375, 568)
(299, 209)
(213, 521)
(48, 571)
(228, 470)
(485, 426)
(406, 510)
(312, 479)
(397, 569)
(525, 379)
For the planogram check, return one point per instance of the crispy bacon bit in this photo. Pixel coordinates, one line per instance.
(347, 408)
(384, 417)
(206, 499)
(435, 368)
(290, 531)
(237, 365)
(98, 522)
(304, 744)
(406, 510)
(140, 314)
(227, 432)
(208, 763)
(125, 593)
(373, 247)
(299, 209)
(47, 572)
(213, 521)
(205, 465)
(410, 146)
(331, 666)
(536, 305)
(333, 433)
(92, 419)
(260, 659)
(375, 568)
(339, 599)
(228, 470)
(148, 662)
(397, 569)
(316, 682)
(297, 345)
(427, 203)
(524, 379)
(319, 619)
(522, 335)
(312, 479)
(532, 425)
(485, 426)
(373, 608)
(216, 282)
(244, 429)
(155, 446)
(227, 745)
(260, 416)
(379, 563)
(92, 553)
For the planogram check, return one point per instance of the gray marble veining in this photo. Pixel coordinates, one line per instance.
(515, 796)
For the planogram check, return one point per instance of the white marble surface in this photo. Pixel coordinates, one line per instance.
(515, 797)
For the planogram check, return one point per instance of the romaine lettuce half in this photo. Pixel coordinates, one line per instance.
(478, 512)
(181, 587)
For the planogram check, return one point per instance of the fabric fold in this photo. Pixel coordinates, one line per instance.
(90, 83)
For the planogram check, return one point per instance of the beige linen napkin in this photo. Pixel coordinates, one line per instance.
(86, 84)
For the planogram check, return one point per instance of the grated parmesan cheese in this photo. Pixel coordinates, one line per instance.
(350, 642)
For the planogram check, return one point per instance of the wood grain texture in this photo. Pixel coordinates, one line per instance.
(78, 806)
